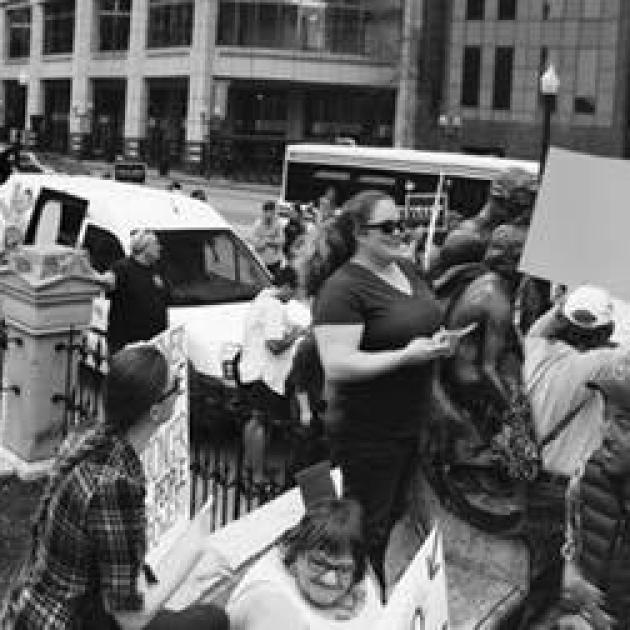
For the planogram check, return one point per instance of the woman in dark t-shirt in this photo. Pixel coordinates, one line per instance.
(378, 330)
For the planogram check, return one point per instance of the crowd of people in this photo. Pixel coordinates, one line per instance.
(405, 366)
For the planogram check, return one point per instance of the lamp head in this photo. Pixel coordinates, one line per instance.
(549, 81)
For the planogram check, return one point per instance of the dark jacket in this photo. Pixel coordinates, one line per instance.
(604, 539)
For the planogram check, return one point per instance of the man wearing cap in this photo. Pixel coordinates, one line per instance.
(138, 293)
(564, 349)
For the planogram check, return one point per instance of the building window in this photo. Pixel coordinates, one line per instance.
(507, 10)
(552, 9)
(58, 27)
(19, 28)
(471, 76)
(503, 66)
(586, 82)
(475, 9)
(592, 9)
(114, 18)
(170, 23)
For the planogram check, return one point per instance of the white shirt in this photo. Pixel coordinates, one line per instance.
(267, 319)
(268, 598)
(555, 377)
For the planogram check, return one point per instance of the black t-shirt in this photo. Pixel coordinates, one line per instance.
(390, 405)
(138, 304)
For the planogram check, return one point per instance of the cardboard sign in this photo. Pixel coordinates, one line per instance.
(579, 230)
(166, 459)
(419, 206)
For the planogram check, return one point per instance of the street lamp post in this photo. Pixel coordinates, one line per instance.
(549, 86)
(451, 127)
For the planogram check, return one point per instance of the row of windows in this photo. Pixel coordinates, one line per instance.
(551, 9)
(585, 99)
(170, 23)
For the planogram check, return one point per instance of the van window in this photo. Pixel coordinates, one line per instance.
(209, 267)
(57, 218)
(103, 248)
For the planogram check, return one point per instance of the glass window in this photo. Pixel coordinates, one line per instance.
(471, 76)
(553, 9)
(586, 82)
(209, 267)
(503, 66)
(19, 28)
(114, 19)
(475, 9)
(170, 23)
(104, 249)
(58, 27)
(507, 10)
(592, 8)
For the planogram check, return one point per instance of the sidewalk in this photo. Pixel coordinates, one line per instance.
(188, 180)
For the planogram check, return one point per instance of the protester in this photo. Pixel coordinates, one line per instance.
(139, 293)
(596, 581)
(315, 578)
(265, 362)
(268, 237)
(85, 569)
(564, 349)
(294, 231)
(377, 326)
(327, 204)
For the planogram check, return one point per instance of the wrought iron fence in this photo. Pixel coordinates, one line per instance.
(217, 416)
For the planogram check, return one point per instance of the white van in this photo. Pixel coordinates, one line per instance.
(213, 272)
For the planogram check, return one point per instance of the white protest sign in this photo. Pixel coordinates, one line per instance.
(579, 230)
(166, 458)
(420, 600)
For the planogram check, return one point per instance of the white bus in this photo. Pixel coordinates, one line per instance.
(410, 177)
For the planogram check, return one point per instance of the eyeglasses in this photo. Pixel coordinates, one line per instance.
(172, 390)
(320, 564)
(387, 227)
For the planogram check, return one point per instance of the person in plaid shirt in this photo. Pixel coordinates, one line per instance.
(85, 567)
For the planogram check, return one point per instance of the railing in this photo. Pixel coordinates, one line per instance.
(217, 416)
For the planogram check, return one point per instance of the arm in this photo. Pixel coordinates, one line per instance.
(343, 360)
(304, 408)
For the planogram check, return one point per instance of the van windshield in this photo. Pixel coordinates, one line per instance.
(209, 267)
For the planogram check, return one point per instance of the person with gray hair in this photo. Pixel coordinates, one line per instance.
(138, 292)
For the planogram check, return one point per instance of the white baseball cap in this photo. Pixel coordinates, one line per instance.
(588, 307)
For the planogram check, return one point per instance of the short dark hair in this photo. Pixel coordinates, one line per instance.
(333, 526)
(269, 205)
(285, 276)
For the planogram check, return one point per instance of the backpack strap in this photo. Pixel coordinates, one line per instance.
(564, 423)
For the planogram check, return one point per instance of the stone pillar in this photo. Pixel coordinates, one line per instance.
(81, 99)
(47, 293)
(200, 83)
(405, 116)
(136, 105)
(34, 94)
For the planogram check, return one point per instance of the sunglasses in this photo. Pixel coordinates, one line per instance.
(388, 227)
(172, 390)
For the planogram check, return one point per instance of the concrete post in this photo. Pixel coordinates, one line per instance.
(136, 105)
(200, 85)
(35, 100)
(47, 293)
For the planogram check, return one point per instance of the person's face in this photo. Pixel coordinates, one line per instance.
(269, 214)
(383, 235)
(322, 578)
(153, 249)
(616, 444)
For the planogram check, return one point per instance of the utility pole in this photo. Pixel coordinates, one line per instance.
(406, 100)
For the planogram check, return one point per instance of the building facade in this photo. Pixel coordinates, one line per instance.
(161, 77)
(497, 50)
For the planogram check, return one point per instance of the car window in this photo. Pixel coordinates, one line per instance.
(104, 249)
(209, 267)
